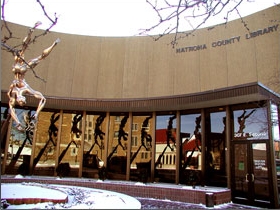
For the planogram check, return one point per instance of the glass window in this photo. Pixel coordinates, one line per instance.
(165, 147)
(117, 146)
(118, 118)
(20, 143)
(46, 143)
(71, 136)
(94, 155)
(134, 142)
(134, 127)
(140, 164)
(215, 143)
(191, 141)
(250, 124)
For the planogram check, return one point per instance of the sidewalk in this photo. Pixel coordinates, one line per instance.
(149, 203)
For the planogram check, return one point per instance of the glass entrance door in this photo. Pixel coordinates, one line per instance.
(250, 184)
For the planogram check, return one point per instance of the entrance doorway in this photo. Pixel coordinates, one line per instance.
(250, 173)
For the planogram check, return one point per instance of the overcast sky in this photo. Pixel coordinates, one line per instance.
(101, 17)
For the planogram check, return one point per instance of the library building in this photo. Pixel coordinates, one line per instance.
(202, 114)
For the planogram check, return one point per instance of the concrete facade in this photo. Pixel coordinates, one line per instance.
(222, 56)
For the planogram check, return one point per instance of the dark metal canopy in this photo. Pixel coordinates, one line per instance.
(217, 97)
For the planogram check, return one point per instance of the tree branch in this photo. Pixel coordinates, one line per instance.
(170, 16)
(27, 41)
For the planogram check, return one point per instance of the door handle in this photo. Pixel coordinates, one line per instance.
(246, 177)
(252, 177)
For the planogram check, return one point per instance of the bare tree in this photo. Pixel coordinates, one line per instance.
(7, 34)
(173, 16)
(274, 81)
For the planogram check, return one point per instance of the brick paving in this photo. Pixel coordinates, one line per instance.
(149, 203)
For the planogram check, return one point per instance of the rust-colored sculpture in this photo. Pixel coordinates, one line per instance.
(19, 86)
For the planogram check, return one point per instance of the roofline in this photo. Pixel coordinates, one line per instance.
(217, 97)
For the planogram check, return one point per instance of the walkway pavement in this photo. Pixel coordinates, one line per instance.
(149, 203)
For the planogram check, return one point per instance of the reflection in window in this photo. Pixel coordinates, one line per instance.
(144, 155)
(93, 154)
(117, 146)
(165, 148)
(134, 142)
(216, 141)
(134, 127)
(74, 152)
(141, 148)
(71, 137)
(250, 124)
(191, 142)
(20, 142)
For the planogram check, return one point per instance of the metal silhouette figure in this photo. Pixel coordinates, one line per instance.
(75, 130)
(53, 130)
(61, 156)
(97, 133)
(224, 122)
(97, 130)
(145, 135)
(19, 86)
(241, 120)
(197, 132)
(122, 133)
(197, 135)
(169, 133)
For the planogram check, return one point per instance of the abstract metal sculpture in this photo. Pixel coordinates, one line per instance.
(19, 86)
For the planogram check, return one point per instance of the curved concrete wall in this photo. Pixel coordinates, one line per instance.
(138, 67)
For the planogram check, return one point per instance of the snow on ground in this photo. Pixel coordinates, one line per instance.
(78, 197)
(91, 198)
(29, 190)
